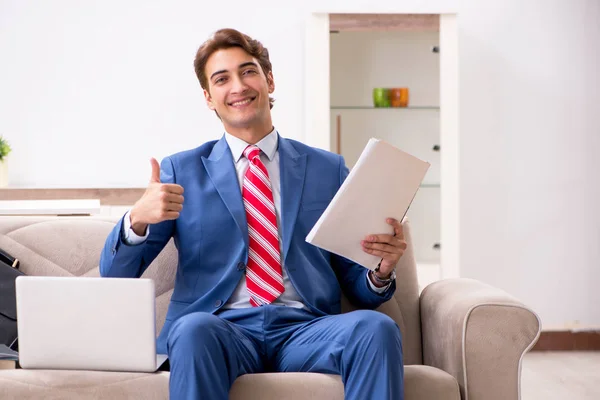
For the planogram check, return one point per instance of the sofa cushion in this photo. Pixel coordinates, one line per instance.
(82, 385)
(71, 246)
(421, 383)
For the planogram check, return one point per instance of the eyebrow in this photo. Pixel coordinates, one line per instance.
(246, 64)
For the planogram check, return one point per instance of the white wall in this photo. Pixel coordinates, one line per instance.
(530, 132)
(89, 92)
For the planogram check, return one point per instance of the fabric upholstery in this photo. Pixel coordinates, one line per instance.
(24, 384)
(427, 383)
(479, 335)
(497, 329)
(71, 246)
(404, 306)
(421, 383)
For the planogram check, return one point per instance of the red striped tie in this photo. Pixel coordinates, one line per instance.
(263, 274)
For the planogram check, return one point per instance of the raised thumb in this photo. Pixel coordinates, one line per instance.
(155, 170)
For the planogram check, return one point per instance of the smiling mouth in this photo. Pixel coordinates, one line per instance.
(242, 103)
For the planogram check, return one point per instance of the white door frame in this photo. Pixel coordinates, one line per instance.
(317, 123)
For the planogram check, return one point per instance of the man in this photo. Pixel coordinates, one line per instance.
(250, 294)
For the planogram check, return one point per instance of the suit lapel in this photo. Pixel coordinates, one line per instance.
(292, 167)
(221, 170)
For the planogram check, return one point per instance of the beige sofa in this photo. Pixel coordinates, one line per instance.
(462, 339)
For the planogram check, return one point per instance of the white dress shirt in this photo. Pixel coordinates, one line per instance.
(270, 157)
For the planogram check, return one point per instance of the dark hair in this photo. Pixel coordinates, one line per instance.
(225, 39)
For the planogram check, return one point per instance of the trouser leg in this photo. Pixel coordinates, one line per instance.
(364, 347)
(207, 354)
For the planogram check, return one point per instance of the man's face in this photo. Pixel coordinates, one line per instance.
(238, 90)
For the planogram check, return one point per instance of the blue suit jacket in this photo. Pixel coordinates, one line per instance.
(211, 233)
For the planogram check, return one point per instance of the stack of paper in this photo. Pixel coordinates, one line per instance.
(381, 185)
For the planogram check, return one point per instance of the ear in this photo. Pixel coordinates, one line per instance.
(271, 82)
(208, 99)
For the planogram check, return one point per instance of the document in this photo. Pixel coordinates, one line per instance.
(382, 185)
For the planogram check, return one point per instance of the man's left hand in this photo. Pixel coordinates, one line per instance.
(389, 247)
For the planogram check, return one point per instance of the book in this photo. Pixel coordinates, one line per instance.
(382, 185)
(8, 364)
(8, 357)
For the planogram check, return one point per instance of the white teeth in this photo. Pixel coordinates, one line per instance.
(241, 103)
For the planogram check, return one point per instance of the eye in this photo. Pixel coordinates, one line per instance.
(249, 71)
(220, 80)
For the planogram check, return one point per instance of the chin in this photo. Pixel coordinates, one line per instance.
(241, 122)
(241, 119)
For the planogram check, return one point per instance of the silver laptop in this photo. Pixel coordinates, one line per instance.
(105, 324)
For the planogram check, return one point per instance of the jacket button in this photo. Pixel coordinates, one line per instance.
(241, 266)
(218, 303)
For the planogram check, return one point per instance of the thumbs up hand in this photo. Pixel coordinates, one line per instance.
(160, 202)
(155, 170)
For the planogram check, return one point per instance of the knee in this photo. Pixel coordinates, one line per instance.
(377, 326)
(193, 328)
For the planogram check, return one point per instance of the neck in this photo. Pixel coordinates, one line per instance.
(251, 135)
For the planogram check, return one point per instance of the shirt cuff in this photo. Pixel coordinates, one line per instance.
(129, 236)
(376, 289)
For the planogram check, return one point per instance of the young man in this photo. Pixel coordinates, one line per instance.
(250, 294)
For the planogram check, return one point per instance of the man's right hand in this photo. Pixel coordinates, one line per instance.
(160, 202)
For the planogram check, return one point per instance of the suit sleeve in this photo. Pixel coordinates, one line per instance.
(121, 260)
(352, 276)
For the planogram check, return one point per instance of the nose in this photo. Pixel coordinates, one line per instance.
(238, 85)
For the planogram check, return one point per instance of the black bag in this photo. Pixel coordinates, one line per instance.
(8, 302)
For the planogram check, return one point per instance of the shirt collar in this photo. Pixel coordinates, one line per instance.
(268, 145)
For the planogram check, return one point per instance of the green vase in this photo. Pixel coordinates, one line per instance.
(381, 97)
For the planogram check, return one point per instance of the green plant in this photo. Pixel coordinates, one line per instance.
(4, 148)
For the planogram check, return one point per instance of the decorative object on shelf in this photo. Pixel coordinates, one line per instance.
(381, 97)
(4, 151)
(399, 97)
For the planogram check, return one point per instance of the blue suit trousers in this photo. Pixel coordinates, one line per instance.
(208, 352)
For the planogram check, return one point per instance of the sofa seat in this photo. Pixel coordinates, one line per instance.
(421, 383)
(30, 384)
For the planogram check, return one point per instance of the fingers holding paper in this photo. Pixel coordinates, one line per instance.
(389, 247)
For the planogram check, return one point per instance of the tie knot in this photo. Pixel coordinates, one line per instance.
(251, 152)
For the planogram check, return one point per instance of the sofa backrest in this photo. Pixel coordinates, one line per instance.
(71, 246)
(404, 306)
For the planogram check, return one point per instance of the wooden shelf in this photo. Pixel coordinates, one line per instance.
(384, 22)
(107, 196)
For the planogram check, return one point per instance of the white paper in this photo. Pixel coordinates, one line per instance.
(381, 185)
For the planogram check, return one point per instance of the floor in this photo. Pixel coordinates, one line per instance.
(561, 375)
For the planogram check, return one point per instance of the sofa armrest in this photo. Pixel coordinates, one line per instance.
(478, 334)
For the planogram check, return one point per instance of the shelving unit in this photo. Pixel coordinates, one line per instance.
(385, 108)
(361, 61)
